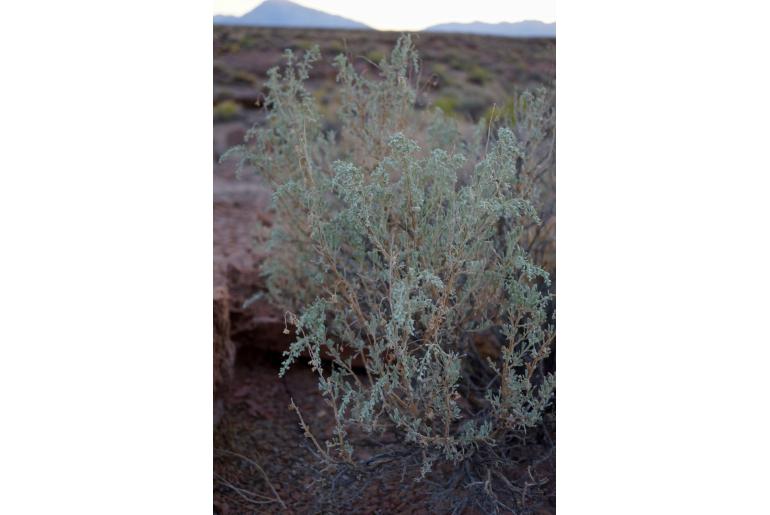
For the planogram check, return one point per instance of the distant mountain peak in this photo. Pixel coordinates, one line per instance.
(284, 13)
(521, 29)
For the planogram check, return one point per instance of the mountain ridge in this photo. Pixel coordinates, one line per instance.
(526, 28)
(285, 13)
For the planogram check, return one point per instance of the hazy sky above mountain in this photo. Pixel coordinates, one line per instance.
(415, 14)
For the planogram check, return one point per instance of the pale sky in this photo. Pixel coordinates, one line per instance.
(415, 14)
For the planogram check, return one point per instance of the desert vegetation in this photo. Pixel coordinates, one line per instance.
(408, 254)
(475, 71)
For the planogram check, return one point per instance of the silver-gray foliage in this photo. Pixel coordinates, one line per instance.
(399, 244)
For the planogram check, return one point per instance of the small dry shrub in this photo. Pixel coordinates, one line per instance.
(226, 110)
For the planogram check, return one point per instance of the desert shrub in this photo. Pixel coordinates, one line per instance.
(447, 103)
(465, 106)
(244, 77)
(226, 110)
(472, 106)
(505, 113)
(336, 46)
(528, 109)
(375, 56)
(304, 45)
(442, 75)
(479, 75)
(400, 245)
(457, 61)
(248, 41)
(532, 116)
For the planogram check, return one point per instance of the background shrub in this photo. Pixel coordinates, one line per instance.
(479, 75)
(446, 103)
(226, 110)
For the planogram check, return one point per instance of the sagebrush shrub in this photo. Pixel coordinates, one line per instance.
(226, 110)
(401, 243)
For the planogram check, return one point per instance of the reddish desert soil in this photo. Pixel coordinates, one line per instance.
(258, 424)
